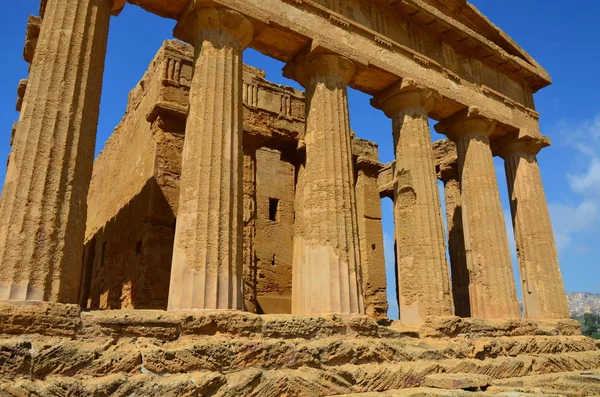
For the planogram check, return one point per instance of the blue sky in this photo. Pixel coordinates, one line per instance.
(561, 37)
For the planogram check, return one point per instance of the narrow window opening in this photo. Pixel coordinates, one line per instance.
(273, 209)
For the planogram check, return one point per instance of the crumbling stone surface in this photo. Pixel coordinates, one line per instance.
(457, 381)
(440, 327)
(158, 353)
(429, 392)
(45, 319)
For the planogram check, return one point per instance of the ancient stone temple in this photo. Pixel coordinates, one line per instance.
(228, 239)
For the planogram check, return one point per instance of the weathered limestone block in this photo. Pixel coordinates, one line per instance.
(385, 180)
(13, 131)
(44, 319)
(544, 294)
(232, 353)
(234, 323)
(456, 381)
(43, 209)
(326, 269)
(31, 37)
(444, 152)
(21, 90)
(119, 323)
(15, 358)
(492, 288)
(573, 384)
(423, 277)
(207, 256)
(451, 327)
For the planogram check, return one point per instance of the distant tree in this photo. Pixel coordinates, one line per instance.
(591, 325)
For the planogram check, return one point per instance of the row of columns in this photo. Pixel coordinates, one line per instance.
(44, 201)
(482, 285)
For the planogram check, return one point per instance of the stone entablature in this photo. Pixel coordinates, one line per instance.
(394, 40)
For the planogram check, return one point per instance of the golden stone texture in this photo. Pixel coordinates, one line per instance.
(220, 191)
(491, 284)
(423, 278)
(543, 288)
(42, 214)
(447, 170)
(207, 255)
(326, 270)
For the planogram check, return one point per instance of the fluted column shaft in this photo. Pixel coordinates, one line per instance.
(456, 242)
(207, 256)
(423, 279)
(326, 275)
(543, 289)
(43, 209)
(491, 283)
(368, 204)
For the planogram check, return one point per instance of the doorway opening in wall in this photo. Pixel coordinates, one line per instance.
(273, 209)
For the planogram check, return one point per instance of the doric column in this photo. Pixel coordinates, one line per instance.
(423, 279)
(543, 289)
(370, 231)
(207, 255)
(456, 241)
(446, 164)
(326, 273)
(491, 283)
(43, 210)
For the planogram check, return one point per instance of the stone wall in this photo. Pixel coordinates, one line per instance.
(126, 258)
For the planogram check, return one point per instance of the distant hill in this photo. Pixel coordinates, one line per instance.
(582, 302)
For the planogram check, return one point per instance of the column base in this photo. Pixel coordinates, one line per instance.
(205, 311)
(23, 303)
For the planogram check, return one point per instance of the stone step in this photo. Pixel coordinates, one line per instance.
(69, 321)
(570, 384)
(305, 381)
(49, 350)
(459, 381)
(51, 356)
(431, 392)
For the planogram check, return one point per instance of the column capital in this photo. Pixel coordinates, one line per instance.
(406, 94)
(318, 63)
(520, 142)
(469, 121)
(221, 25)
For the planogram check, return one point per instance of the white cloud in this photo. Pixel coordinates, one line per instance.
(571, 218)
(589, 181)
